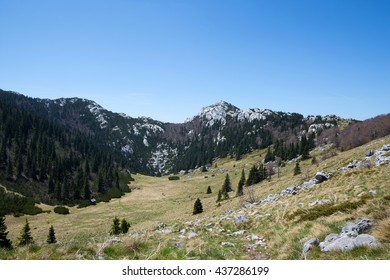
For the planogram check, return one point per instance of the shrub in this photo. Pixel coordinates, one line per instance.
(198, 208)
(326, 210)
(173, 178)
(125, 225)
(115, 228)
(61, 210)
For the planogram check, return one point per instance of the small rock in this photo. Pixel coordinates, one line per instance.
(366, 240)
(344, 243)
(360, 226)
(165, 231)
(314, 242)
(115, 240)
(191, 234)
(370, 153)
(320, 202)
(385, 148)
(228, 244)
(180, 244)
(240, 219)
(183, 231)
(373, 192)
(135, 235)
(321, 177)
(240, 232)
(254, 237)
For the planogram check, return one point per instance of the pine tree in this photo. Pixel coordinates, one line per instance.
(51, 186)
(219, 196)
(87, 189)
(115, 228)
(10, 169)
(100, 183)
(240, 190)
(297, 169)
(4, 241)
(51, 238)
(269, 156)
(227, 187)
(25, 235)
(198, 208)
(208, 190)
(125, 225)
(242, 179)
(254, 176)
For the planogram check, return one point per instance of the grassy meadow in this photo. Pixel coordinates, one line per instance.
(274, 230)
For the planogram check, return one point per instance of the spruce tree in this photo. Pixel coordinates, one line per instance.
(25, 235)
(125, 225)
(198, 208)
(87, 189)
(269, 156)
(51, 238)
(208, 190)
(297, 169)
(242, 179)
(227, 187)
(224, 194)
(115, 228)
(219, 196)
(241, 183)
(51, 186)
(4, 241)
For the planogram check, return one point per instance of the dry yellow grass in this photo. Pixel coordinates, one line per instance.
(83, 232)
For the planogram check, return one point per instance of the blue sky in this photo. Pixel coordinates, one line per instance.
(168, 59)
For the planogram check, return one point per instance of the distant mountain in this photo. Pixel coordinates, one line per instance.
(150, 146)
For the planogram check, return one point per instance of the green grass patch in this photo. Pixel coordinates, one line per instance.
(325, 210)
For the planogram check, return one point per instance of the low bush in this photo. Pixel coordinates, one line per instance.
(324, 210)
(61, 210)
(173, 178)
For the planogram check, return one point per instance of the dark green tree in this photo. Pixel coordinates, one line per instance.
(241, 183)
(219, 196)
(254, 176)
(115, 228)
(87, 189)
(269, 156)
(51, 237)
(198, 207)
(297, 169)
(4, 241)
(51, 186)
(224, 194)
(227, 187)
(25, 235)
(208, 190)
(125, 225)
(10, 169)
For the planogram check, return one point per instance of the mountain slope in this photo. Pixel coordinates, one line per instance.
(44, 158)
(153, 147)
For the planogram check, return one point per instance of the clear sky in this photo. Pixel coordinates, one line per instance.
(168, 59)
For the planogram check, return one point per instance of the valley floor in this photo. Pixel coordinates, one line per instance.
(163, 226)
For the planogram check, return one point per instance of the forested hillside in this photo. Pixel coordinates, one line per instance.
(50, 162)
